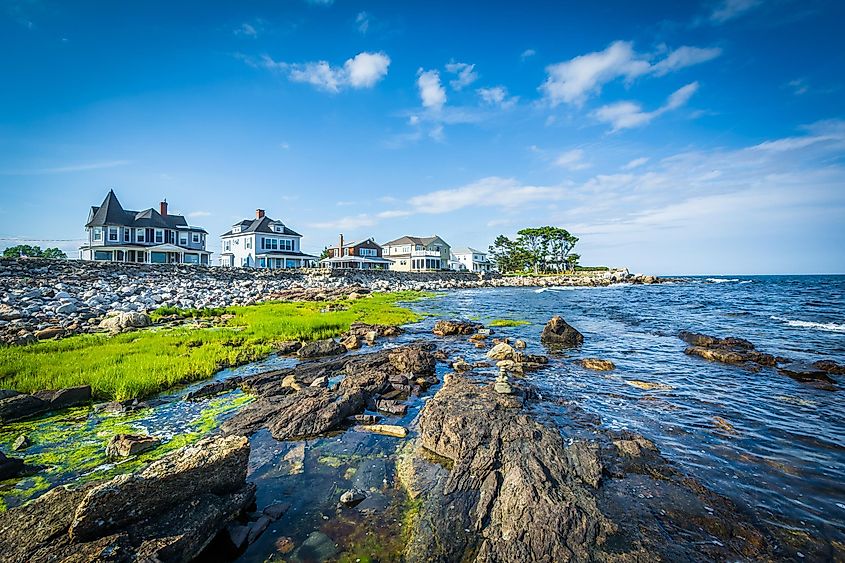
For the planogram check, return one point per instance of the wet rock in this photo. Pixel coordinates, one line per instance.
(64, 398)
(558, 332)
(257, 528)
(391, 406)
(729, 350)
(385, 429)
(829, 366)
(366, 418)
(461, 365)
(120, 407)
(634, 446)
(353, 497)
(168, 512)
(597, 364)
(10, 466)
(351, 342)
(803, 371)
(276, 510)
(213, 388)
(416, 361)
(519, 344)
(501, 351)
(318, 348)
(317, 547)
(237, 535)
(284, 545)
(455, 328)
(125, 445)
(512, 484)
(20, 406)
(22, 442)
(289, 347)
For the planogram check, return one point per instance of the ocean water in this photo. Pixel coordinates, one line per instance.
(772, 444)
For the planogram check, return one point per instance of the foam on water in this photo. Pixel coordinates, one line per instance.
(830, 327)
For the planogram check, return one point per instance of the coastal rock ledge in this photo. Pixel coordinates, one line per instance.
(169, 511)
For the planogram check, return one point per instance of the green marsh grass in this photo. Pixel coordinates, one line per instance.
(142, 363)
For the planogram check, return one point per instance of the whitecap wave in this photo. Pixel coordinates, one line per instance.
(722, 280)
(745, 281)
(830, 327)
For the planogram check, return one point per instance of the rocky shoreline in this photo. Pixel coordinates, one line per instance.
(491, 476)
(41, 299)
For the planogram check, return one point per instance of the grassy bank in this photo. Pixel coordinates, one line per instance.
(139, 364)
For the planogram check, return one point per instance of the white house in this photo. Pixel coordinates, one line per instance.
(262, 243)
(417, 254)
(151, 236)
(470, 260)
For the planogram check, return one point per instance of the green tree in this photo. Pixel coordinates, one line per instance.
(324, 254)
(33, 252)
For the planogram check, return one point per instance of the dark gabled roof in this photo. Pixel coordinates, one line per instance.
(112, 213)
(261, 225)
(413, 240)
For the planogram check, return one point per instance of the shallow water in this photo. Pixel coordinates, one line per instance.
(774, 445)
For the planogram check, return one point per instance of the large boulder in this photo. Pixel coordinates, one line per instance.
(412, 360)
(10, 466)
(63, 398)
(170, 511)
(125, 445)
(125, 320)
(20, 406)
(558, 332)
(319, 348)
(501, 351)
(730, 350)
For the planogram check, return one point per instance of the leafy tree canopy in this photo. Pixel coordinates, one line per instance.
(33, 252)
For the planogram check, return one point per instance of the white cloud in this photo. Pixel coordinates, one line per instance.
(487, 192)
(574, 81)
(626, 115)
(355, 222)
(363, 70)
(527, 54)
(829, 133)
(683, 57)
(194, 214)
(320, 2)
(432, 93)
(635, 163)
(362, 20)
(466, 75)
(498, 96)
(572, 160)
(730, 9)
(799, 86)
(437, 133)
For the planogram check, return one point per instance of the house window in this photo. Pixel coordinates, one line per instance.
(159, 236)
(196, 238)
(403, 262)
(406, 249)
(112, 234)
(98, 234)
(183, 240)
(102, 255)
(227, 246)
(286, 244)
(139, 235)
(126, 235)
(368, 252)
(248, 243)
(278, 229)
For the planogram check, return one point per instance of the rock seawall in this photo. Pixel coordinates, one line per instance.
(52, 298)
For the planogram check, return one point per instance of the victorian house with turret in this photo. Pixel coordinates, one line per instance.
(115, 234)
(262, 243)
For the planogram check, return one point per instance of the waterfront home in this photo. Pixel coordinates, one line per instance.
(146, 237)
(262, 243)
(417, 254)
(470, 260)
(355, 255)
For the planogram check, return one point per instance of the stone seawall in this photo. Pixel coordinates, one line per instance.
(47, 298)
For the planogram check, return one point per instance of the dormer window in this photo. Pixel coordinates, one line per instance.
(236, 229)
(278, 228)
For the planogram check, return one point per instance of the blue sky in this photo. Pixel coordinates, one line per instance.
(671, 137)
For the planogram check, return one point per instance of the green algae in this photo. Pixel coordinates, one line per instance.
(507, 322)
(69, 446)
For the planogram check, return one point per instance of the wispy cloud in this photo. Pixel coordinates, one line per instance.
(194, 214)
(247, 30)
(575, 80)
(625, 115)
(362, 22)
(635, 163)
(66, 169)
(497, 96)
(465, 73)
(364, 70)
(798, 86)
(731, 9)
(572, 160)
(527, 54)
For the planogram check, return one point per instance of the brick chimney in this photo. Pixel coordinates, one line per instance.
(340, 248)
(259, 213)
(162, 207)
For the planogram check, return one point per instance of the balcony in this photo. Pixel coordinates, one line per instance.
(425, 253)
